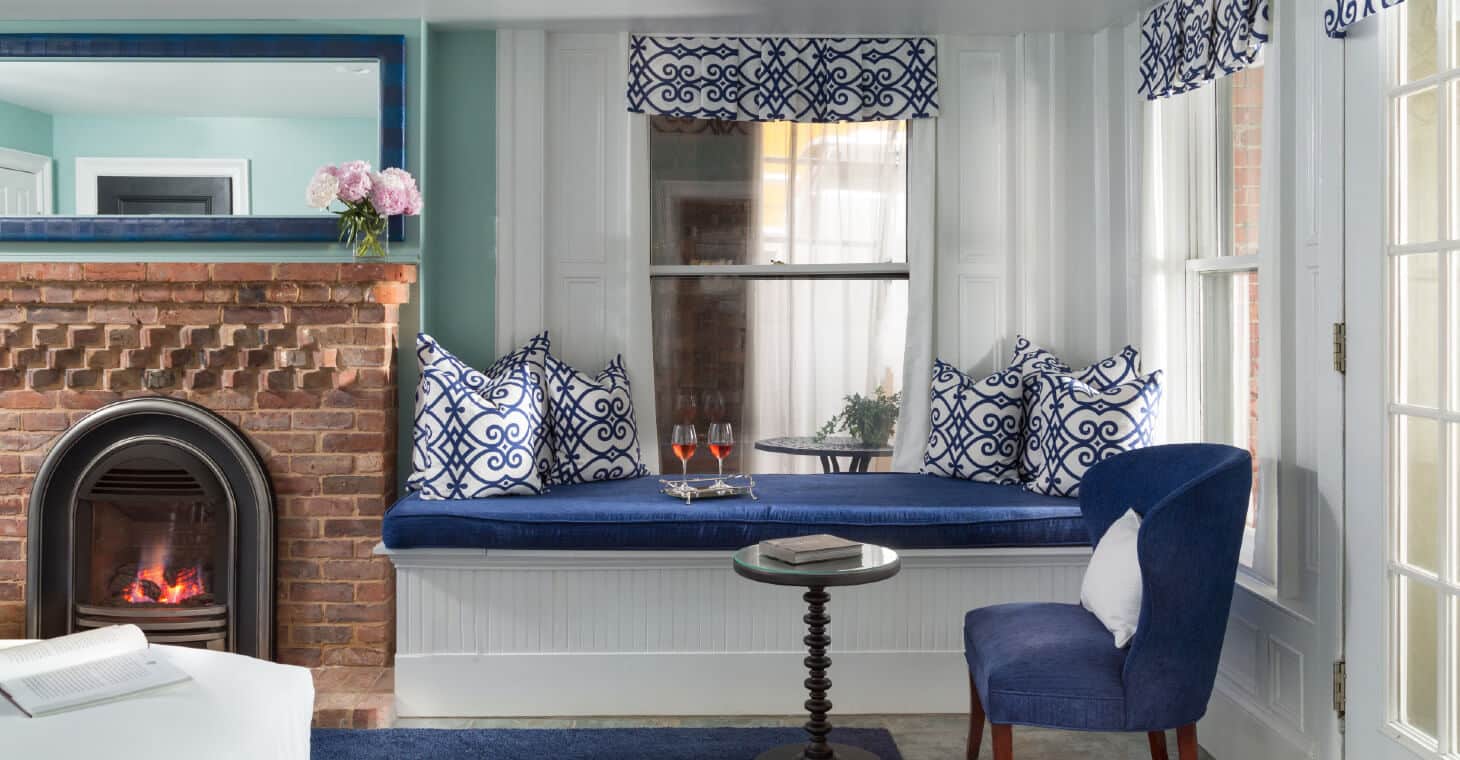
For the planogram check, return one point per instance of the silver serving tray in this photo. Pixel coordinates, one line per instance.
(710, 487)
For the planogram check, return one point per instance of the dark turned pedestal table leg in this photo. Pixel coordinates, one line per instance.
(818, 685)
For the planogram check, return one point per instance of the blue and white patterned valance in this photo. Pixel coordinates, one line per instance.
(810, 79)
(1187, 43)
(1346, 13)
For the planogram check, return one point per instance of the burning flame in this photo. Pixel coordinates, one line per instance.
(188, 585)
(151, 585)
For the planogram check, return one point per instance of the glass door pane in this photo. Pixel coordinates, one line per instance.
(1423, 382)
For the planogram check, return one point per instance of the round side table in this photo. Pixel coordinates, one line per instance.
(876, 563)
(830, 450)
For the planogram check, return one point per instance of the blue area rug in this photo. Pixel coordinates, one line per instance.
(577, 743)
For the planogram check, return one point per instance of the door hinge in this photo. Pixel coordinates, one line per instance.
(1340, 347)
(1340, 687)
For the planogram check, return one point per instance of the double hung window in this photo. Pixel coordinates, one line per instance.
(778, 273)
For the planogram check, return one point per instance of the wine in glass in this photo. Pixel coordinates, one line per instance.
(684, 441)
(686, 407)
(722, 442)
(715, 405)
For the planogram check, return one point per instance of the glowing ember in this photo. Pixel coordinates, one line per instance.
(152, 587)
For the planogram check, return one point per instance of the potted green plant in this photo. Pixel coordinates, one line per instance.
(869, 419)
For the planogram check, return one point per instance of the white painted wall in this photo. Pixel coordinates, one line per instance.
(1035, 210)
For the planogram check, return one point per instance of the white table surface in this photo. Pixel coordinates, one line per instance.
(234, 707)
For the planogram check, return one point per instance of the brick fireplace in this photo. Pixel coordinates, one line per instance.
(300, 358)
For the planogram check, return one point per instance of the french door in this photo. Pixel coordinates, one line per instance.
(1402, 259)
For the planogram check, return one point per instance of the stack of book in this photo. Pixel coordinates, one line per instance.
(804, 549)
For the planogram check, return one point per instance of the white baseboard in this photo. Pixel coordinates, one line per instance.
(673, 683)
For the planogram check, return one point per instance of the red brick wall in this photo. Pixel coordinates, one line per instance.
(1246, 208)
(300, 357)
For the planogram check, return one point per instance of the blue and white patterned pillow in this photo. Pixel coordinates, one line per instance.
(533, 354)
(1036, 362)
(1031, 359)
(591, 424)
(1078, 425)
(976, 425)
(475, 435)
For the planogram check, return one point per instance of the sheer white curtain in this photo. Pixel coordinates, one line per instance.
(812, 342)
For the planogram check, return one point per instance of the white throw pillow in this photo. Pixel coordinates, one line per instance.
(1112, 587)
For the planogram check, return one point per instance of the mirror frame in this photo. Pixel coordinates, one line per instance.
(388, 50)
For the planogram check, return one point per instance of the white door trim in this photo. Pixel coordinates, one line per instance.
(89, 169)
(1371, 732)
(40, 166)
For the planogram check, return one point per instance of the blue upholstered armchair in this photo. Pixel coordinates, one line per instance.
(1055, 665)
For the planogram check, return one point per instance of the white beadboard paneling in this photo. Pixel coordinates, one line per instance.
(469, 618)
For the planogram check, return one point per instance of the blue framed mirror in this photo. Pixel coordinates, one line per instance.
(190, 137)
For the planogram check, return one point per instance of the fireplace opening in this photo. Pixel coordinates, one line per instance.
(157, 545)
(154, 512)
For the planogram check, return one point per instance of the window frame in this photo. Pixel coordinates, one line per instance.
(921, 159)
(1209, 169)
(782, 271)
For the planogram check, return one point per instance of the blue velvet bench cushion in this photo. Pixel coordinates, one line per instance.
(901, 510)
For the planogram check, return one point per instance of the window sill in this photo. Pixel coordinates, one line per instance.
(781, 271)
(1268, 593)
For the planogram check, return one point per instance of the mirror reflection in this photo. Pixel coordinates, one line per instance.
(180, 136)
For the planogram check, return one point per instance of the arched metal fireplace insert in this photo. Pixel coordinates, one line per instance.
(156, 512)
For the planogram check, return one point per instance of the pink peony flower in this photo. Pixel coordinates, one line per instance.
(413, 192)
(394, 191)
(355, 180)
(323, 188)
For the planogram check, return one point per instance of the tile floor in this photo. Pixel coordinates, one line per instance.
(919, 737)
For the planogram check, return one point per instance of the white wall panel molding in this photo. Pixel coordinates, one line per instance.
(1238, 727)
(572, 189)
(980, 241)
(1241, 653)
(476, 629)
(1128, 298)
(521, 109)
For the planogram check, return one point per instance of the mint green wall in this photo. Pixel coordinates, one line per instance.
(283, 153)
(461, 137)
(455, 294)
(24, 129)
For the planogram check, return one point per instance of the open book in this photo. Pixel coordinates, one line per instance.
(83, 669)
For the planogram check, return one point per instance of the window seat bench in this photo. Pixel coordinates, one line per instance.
(900, 510)
(613, 599)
